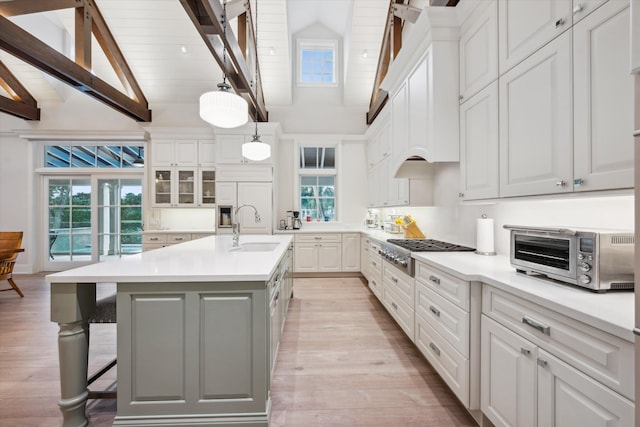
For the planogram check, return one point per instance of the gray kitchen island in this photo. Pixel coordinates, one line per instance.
(196, 333)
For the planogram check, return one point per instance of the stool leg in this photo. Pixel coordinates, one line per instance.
(16, 287)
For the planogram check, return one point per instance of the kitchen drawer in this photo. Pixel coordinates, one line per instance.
(329, 237)
(374, 246)
(154, 238)
(151, 246)
(454, 289)
(375, 265)
(401, 283)
(376, 287)
(178, 237)
(446, 360)
(604, 357)
(401, 311)
(448, 319)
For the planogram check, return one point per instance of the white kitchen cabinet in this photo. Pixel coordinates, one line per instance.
(582, 8)
(206, 153)
(350, 252)
(399, 124)
(385, 190)
(155, 240)
(174, 153)
(479, 49)
(258, 194)
(229, 149)
(317, 253)
(479, 144)
(535, 100)
(398, 297)
(603, 100)
(373, 268)
(175, 186)
(207, 187)
(447, 314)
(524, 385)
(378, 145)
(527, 25)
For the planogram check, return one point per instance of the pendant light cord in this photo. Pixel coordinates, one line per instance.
(224, 43)
(256, 77)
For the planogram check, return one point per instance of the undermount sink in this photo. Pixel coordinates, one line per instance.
(255, 247)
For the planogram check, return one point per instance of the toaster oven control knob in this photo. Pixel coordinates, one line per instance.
(404, 263)
(585, 266)
(396, 260)
(584, 279)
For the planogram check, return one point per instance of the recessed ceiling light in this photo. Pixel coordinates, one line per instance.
(272, 51)
(365, 54)
(183, 49)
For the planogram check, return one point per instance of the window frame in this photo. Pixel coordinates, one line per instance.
(304, 44)
(300, 172)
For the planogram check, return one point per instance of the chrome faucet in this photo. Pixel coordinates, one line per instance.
(235, 225)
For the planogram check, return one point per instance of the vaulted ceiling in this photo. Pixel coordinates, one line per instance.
(172, 64)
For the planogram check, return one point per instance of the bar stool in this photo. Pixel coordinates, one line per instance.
(105, 313)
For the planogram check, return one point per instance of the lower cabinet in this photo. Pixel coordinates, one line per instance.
(524, 385)
(327, 252)
(398, 297)
(160, 240)
(540, 368)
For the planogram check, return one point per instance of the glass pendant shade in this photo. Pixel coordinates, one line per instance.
(256, 150)
(223, 109)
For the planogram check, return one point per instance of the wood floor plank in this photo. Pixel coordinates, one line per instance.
(343, 361)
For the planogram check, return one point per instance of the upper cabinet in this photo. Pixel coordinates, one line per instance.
(603, 100)
(170, 152)
(527, 25)
(479, 49)
(536, 122)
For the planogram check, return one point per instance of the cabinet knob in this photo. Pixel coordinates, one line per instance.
(578, 182)
(542, 362)
(525, 351)
(461, 97)
(394, 305)
(460, 194)
(435, 311)
(561, 183)
(578, 8)
(560, 22)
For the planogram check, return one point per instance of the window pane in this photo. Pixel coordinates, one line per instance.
(328, 160)
(81, 220)
(83, 157)
(81, 192)
(59, 191)
(58, 219)
(309, 157)
(57, 156)
(108, 157)
(81, 244)
(131, 193)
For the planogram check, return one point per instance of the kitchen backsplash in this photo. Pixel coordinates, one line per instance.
(457, 224)
(181, 219)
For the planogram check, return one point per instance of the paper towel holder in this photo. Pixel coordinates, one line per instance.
(486, 253)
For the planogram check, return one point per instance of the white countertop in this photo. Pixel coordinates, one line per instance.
(180, 231)
(203, 260)
(612, 312)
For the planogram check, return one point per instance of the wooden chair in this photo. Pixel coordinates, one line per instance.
(10, 242)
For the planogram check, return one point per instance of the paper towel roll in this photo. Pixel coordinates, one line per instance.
(484, 236)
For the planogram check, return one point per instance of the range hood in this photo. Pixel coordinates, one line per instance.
(414, 167)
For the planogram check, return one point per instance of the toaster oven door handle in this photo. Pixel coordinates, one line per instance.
(545, 329)
(565, 231)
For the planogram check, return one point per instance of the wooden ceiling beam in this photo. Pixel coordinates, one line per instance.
(234, 66)
(21, 104)
(31, 50)
(23, 7)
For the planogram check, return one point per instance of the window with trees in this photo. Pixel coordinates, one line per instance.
(317, 178)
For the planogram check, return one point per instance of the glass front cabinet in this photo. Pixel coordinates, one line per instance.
(207, 187)
(175, 187)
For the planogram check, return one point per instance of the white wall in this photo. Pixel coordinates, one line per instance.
(450, 220)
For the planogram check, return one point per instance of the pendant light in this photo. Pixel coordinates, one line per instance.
(138, 162)
(222, 108)
(256, 149)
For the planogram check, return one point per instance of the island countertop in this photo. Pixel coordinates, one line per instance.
(202, 260)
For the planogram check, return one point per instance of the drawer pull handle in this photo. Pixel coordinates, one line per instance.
(318, 238)
(542, 362)
(537, 325)
(394, 305)
(277, 296)
(374, 263)
(394, 279)
(434, 279)
(153, 238)
(560, 22)
(178, 238)
(435, 311)
(435, 349)
(579, 8)
(374, 283)
(525, 351)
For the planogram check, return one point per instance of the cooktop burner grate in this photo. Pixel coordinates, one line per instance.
(428, 245)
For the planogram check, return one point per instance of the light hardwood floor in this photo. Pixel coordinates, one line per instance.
(342, 362)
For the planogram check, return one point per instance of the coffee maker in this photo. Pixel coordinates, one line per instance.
(297, 222)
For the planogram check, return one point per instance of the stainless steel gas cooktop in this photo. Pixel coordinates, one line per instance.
(428, 245)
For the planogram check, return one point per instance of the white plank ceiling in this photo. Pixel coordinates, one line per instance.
(172, 64)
